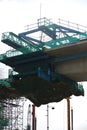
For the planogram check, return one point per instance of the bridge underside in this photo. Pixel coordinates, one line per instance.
(41, 91)
(71, 60)
(75, 69)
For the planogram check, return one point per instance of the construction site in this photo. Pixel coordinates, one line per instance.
(48, 61)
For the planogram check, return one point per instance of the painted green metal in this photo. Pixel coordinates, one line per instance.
(5, 83)
(66, 40)
(61, 42)
(18, 43)
(44, 22)
(63, 37)
(21, 46)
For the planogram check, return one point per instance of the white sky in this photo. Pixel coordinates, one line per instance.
(14, 15)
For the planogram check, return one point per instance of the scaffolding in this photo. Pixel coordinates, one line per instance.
(13, 111)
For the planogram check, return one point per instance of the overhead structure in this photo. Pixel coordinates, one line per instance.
(35, 73)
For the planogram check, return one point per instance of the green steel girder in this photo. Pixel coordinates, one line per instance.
(5, 83)
(18, 43)
(54, 31)
(49, 32)
(62, 41)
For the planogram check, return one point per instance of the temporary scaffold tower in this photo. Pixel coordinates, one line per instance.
(12, 111)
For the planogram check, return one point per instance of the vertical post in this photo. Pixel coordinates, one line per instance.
(29, 118)
(71, 118)
(40, 10)
(47, 117)
(68, 113)
(33, 117)
(35, 123)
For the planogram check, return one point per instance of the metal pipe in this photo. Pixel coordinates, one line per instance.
(71, 118)
(47, 117)
(68, 113)
(33, 117)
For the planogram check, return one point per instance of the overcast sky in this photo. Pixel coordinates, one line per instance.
(14, 15)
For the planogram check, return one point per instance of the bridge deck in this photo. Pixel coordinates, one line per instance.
(71, 60)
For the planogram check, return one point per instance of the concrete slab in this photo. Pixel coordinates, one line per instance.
(75, 69)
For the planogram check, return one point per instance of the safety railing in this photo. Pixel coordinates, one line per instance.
(44, 22)
(72, 25)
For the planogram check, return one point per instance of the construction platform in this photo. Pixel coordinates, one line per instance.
(47, 70)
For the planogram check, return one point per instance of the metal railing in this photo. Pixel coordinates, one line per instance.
(72, 25)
